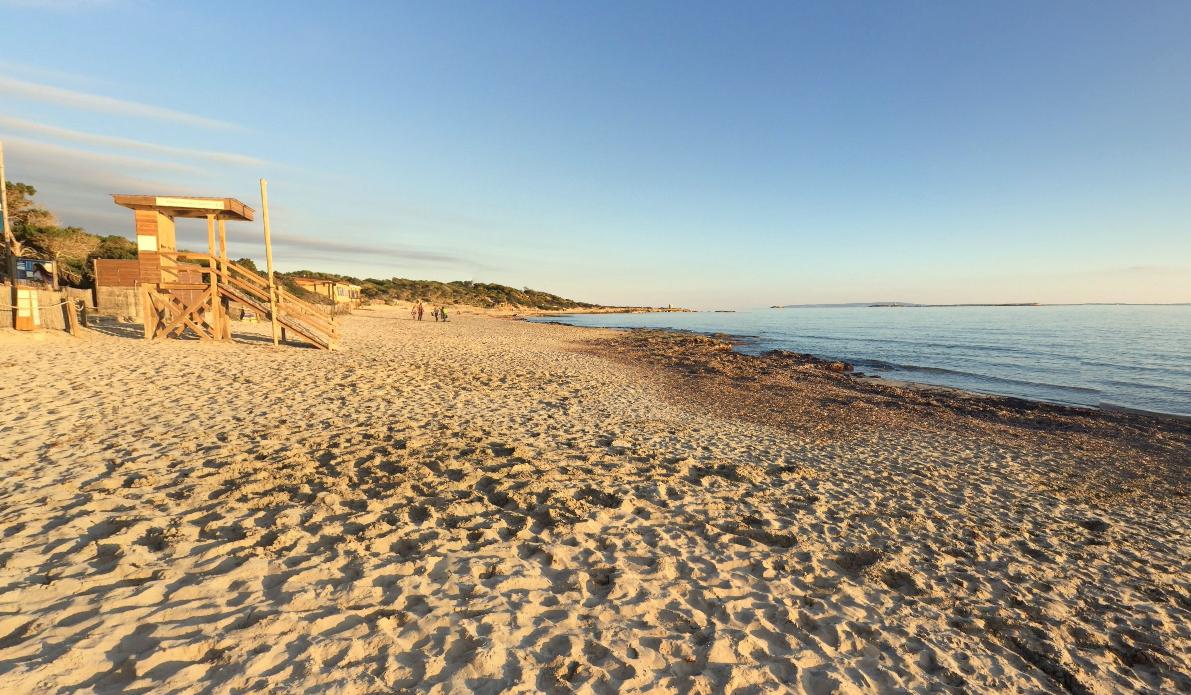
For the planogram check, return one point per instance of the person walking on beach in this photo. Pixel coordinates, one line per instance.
(442, 313)
(413, 311)
(420, 310)
(434, 313)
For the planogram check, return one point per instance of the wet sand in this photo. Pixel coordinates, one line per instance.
(489, 505)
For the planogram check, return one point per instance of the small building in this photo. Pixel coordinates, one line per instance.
(338, 292)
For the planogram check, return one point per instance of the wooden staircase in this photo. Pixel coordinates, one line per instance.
(250, 288)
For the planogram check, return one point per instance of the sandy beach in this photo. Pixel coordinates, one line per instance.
(489, 505)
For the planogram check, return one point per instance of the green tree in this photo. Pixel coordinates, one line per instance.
(22, 211)
(69, 247)
(114, 246)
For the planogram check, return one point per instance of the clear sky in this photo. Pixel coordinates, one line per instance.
(700, 154)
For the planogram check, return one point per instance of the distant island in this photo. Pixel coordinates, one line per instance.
(914, 305)
(889, 305)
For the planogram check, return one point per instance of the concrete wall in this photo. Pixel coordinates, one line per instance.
(87, 296)
(118, 301)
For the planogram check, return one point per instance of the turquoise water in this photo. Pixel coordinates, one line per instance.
(1131, 356)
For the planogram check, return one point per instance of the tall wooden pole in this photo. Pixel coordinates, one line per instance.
(225, 327)
(10, 257)
(269, 262)
(213, 320)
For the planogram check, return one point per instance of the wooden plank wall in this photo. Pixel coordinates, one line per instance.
(110, 272)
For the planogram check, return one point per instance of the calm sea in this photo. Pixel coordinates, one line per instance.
(1131, 356)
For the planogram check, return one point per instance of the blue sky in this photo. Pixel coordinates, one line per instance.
(700, 154)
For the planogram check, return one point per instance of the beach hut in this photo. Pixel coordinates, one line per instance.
(341, 293)
(182, 291)
(171, 301)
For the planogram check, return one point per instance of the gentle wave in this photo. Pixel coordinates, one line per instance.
(982, 377)
(923, 344)
(1133, 356)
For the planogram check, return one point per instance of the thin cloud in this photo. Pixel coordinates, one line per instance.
(60, 5)
(127, 143)
(370, 253)
(365, 249)
(76, 189)
(51, 74)
(97, 102)
(45, 149)
(1159, 270)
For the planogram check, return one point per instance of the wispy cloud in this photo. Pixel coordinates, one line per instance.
(97, 102)
(39, 72)
(76, 187)
(127, 143)
(373, 250)
(74, 155)
(308, 248)
(60, 5)
(1179, 270)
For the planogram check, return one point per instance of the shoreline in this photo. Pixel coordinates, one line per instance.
(701, 369)
(743, 339)
(521, 312)
(490, 505)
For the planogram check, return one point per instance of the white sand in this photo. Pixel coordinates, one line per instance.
(472, 507)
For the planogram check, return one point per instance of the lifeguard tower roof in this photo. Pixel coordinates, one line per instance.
(187, 206)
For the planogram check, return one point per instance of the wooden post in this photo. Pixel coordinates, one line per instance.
(223, 245)
(148, 312)
(269, 262)
(10, 258)
(225, 325)
(72, 321)
(213, 321)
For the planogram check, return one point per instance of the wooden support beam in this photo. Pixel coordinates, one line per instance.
(183, 317)
(196, 326)
(184, 286)
(147, 312)
(158, 311)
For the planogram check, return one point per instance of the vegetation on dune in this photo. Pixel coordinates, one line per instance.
(481, 294)
(39, 235)
(72, 249)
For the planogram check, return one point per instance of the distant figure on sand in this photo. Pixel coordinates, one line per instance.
(442, 313)
(434, 313)
(413, 311)
(421, 309)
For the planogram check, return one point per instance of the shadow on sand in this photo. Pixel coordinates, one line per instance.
(136, 331)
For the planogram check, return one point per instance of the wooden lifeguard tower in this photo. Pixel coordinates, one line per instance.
(182, 290)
